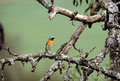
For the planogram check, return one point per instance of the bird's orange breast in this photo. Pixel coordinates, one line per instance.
(50, 43)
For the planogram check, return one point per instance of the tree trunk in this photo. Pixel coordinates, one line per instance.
(113, 43)
(113, 40)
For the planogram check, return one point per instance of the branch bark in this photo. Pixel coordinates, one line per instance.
(58, 10)
(78, 32)
(74, 38)
(50, 72)
(86, 20)
(78, 61)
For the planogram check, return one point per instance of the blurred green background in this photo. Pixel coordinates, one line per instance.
(27, 28)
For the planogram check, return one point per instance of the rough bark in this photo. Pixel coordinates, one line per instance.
(78, 61)
(113, 40)
(112, 44)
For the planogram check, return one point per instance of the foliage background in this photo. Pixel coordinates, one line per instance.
(27, 28)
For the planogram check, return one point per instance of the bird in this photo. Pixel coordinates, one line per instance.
(49, 43)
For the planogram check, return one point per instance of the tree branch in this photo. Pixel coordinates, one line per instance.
(58, 10)
(80, 29)
(74, 38)
(51, 70)
(79, 61)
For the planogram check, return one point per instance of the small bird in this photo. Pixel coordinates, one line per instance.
(49, 43)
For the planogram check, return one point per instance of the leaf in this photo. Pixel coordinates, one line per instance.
(74, 2)
(80, 2)
(87, 1)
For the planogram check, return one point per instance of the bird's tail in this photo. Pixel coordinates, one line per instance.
(46, 50)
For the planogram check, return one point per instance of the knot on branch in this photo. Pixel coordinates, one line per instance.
(112, 8)
(2, 61)
(10, 61)
(83, 60)
(58, 57)
(53, 11)
(50, 9)
(74, 17)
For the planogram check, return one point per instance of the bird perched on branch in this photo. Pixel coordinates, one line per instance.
(49, 43)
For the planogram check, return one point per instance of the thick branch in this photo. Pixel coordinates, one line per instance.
(79, 61)
(80, 29)
(58, 10)
(74, 38)
(52, 69)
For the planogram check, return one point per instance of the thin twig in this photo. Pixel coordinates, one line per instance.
(78, 70)
(87, 53)
(8, 49)
(61, 48)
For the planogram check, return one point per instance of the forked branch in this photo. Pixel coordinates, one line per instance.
(58, 10)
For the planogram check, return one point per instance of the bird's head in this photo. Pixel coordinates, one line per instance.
(52, 38)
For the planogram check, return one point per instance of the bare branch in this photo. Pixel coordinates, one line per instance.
(87, 53)
(78, 70)
(57, 65)
(61, 48)
(51, 70)
(33, 63)
(74, 38)
(98, 59)
(77, 49)
(58, 10)
(78, 32)
(88, 65)
(8, 49)
(67, 74)
(79, 61)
